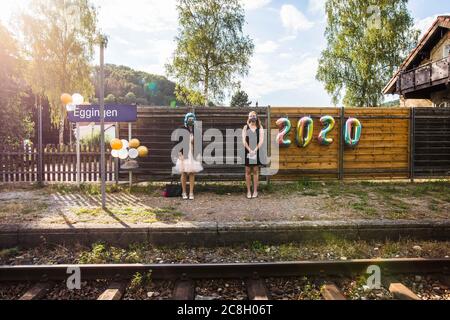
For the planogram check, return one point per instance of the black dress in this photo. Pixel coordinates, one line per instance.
(252, 142)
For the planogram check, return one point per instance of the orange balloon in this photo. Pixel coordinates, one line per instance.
(66, 99)
(116, 144)
(143, 152)
(134, 143)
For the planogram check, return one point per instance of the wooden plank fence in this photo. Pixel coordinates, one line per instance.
(156, 124)
(395, 143)
(59, 164)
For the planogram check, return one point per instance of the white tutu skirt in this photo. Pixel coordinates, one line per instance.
(189, 165)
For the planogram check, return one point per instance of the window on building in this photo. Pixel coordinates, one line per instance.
(446, 51)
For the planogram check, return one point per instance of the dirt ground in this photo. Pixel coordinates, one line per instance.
(299, 201)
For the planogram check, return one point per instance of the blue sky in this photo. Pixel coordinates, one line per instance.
(288, 36)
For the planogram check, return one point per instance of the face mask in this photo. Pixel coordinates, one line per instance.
(190, 122)
(253, 119)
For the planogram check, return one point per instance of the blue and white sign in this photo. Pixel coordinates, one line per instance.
(113, 113)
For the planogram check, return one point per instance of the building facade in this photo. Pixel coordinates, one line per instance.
(423, 78)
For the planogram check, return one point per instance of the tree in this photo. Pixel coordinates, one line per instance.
(110, 98)
(59, 38)
(240, 99)
(130, 97)
(367, 41)
(212, 50)
(189, 97)
(149, 89)
(15, 117)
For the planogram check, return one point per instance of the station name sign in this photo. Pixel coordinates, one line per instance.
(113, 113)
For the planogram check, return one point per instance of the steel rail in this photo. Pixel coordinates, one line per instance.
(225, 271)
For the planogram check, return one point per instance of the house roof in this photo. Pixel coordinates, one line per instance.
(429, 39)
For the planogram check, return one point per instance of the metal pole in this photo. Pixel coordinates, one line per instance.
(78, 155)
(116, 160)
(269, 138)
(102, 121)
(40, 154)
(130, 174)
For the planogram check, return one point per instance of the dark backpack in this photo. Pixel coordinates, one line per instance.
(172, 191)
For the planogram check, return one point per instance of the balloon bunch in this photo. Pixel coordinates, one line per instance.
(125, 150)
(71, 101)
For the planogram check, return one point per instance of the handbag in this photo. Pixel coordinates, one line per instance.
(172, 190)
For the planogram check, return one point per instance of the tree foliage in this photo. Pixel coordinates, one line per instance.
(58, 39)
(189, 97)
(367, 41)
(126, 85)
(15, 117)
(240, 99)
(212, 50)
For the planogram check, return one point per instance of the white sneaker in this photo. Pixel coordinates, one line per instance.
(255, 195)
(185, 197)
(249, 195)
(191, 197)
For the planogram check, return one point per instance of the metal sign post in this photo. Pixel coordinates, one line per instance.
(130, 174)
(78, 155)
(102, 121)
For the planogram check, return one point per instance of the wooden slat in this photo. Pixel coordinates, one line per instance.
(184, 290)
(331, 292)
(37, 292)
(115, 291)
(401, 292)
(256, 290)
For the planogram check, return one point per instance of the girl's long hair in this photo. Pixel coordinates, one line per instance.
(258, 121)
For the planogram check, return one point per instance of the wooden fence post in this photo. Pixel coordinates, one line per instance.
(341, 144)
(412, 141)
(40, 167)
(269, 140)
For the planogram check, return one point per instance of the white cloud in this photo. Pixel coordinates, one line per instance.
(255, 4)
(266, 78)
(424, 24)
(294, 20)
(268, 46)
(141, 16)
(316, 6)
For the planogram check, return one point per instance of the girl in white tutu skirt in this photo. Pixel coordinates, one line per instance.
(188, 166)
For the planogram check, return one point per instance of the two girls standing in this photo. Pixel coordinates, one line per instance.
(252, 139)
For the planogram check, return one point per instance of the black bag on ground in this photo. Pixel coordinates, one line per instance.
(172, 191)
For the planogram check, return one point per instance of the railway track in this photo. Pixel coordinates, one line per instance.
(255, 277)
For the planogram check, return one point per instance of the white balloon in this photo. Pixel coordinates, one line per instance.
(123, 154)
(133, 153)
(77, 99)
(125, 144)
(115, 153)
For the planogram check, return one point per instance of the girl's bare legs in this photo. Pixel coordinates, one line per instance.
(183, 183)
(255, 181)
(191, 184)
(248, 180)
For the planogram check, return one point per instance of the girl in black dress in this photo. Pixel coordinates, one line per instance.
(253, 140)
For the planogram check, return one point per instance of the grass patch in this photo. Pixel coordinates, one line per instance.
(132, 214)
(100, 253)
(6, 253)
(139, 281)
(22, 207)
(362, 204)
